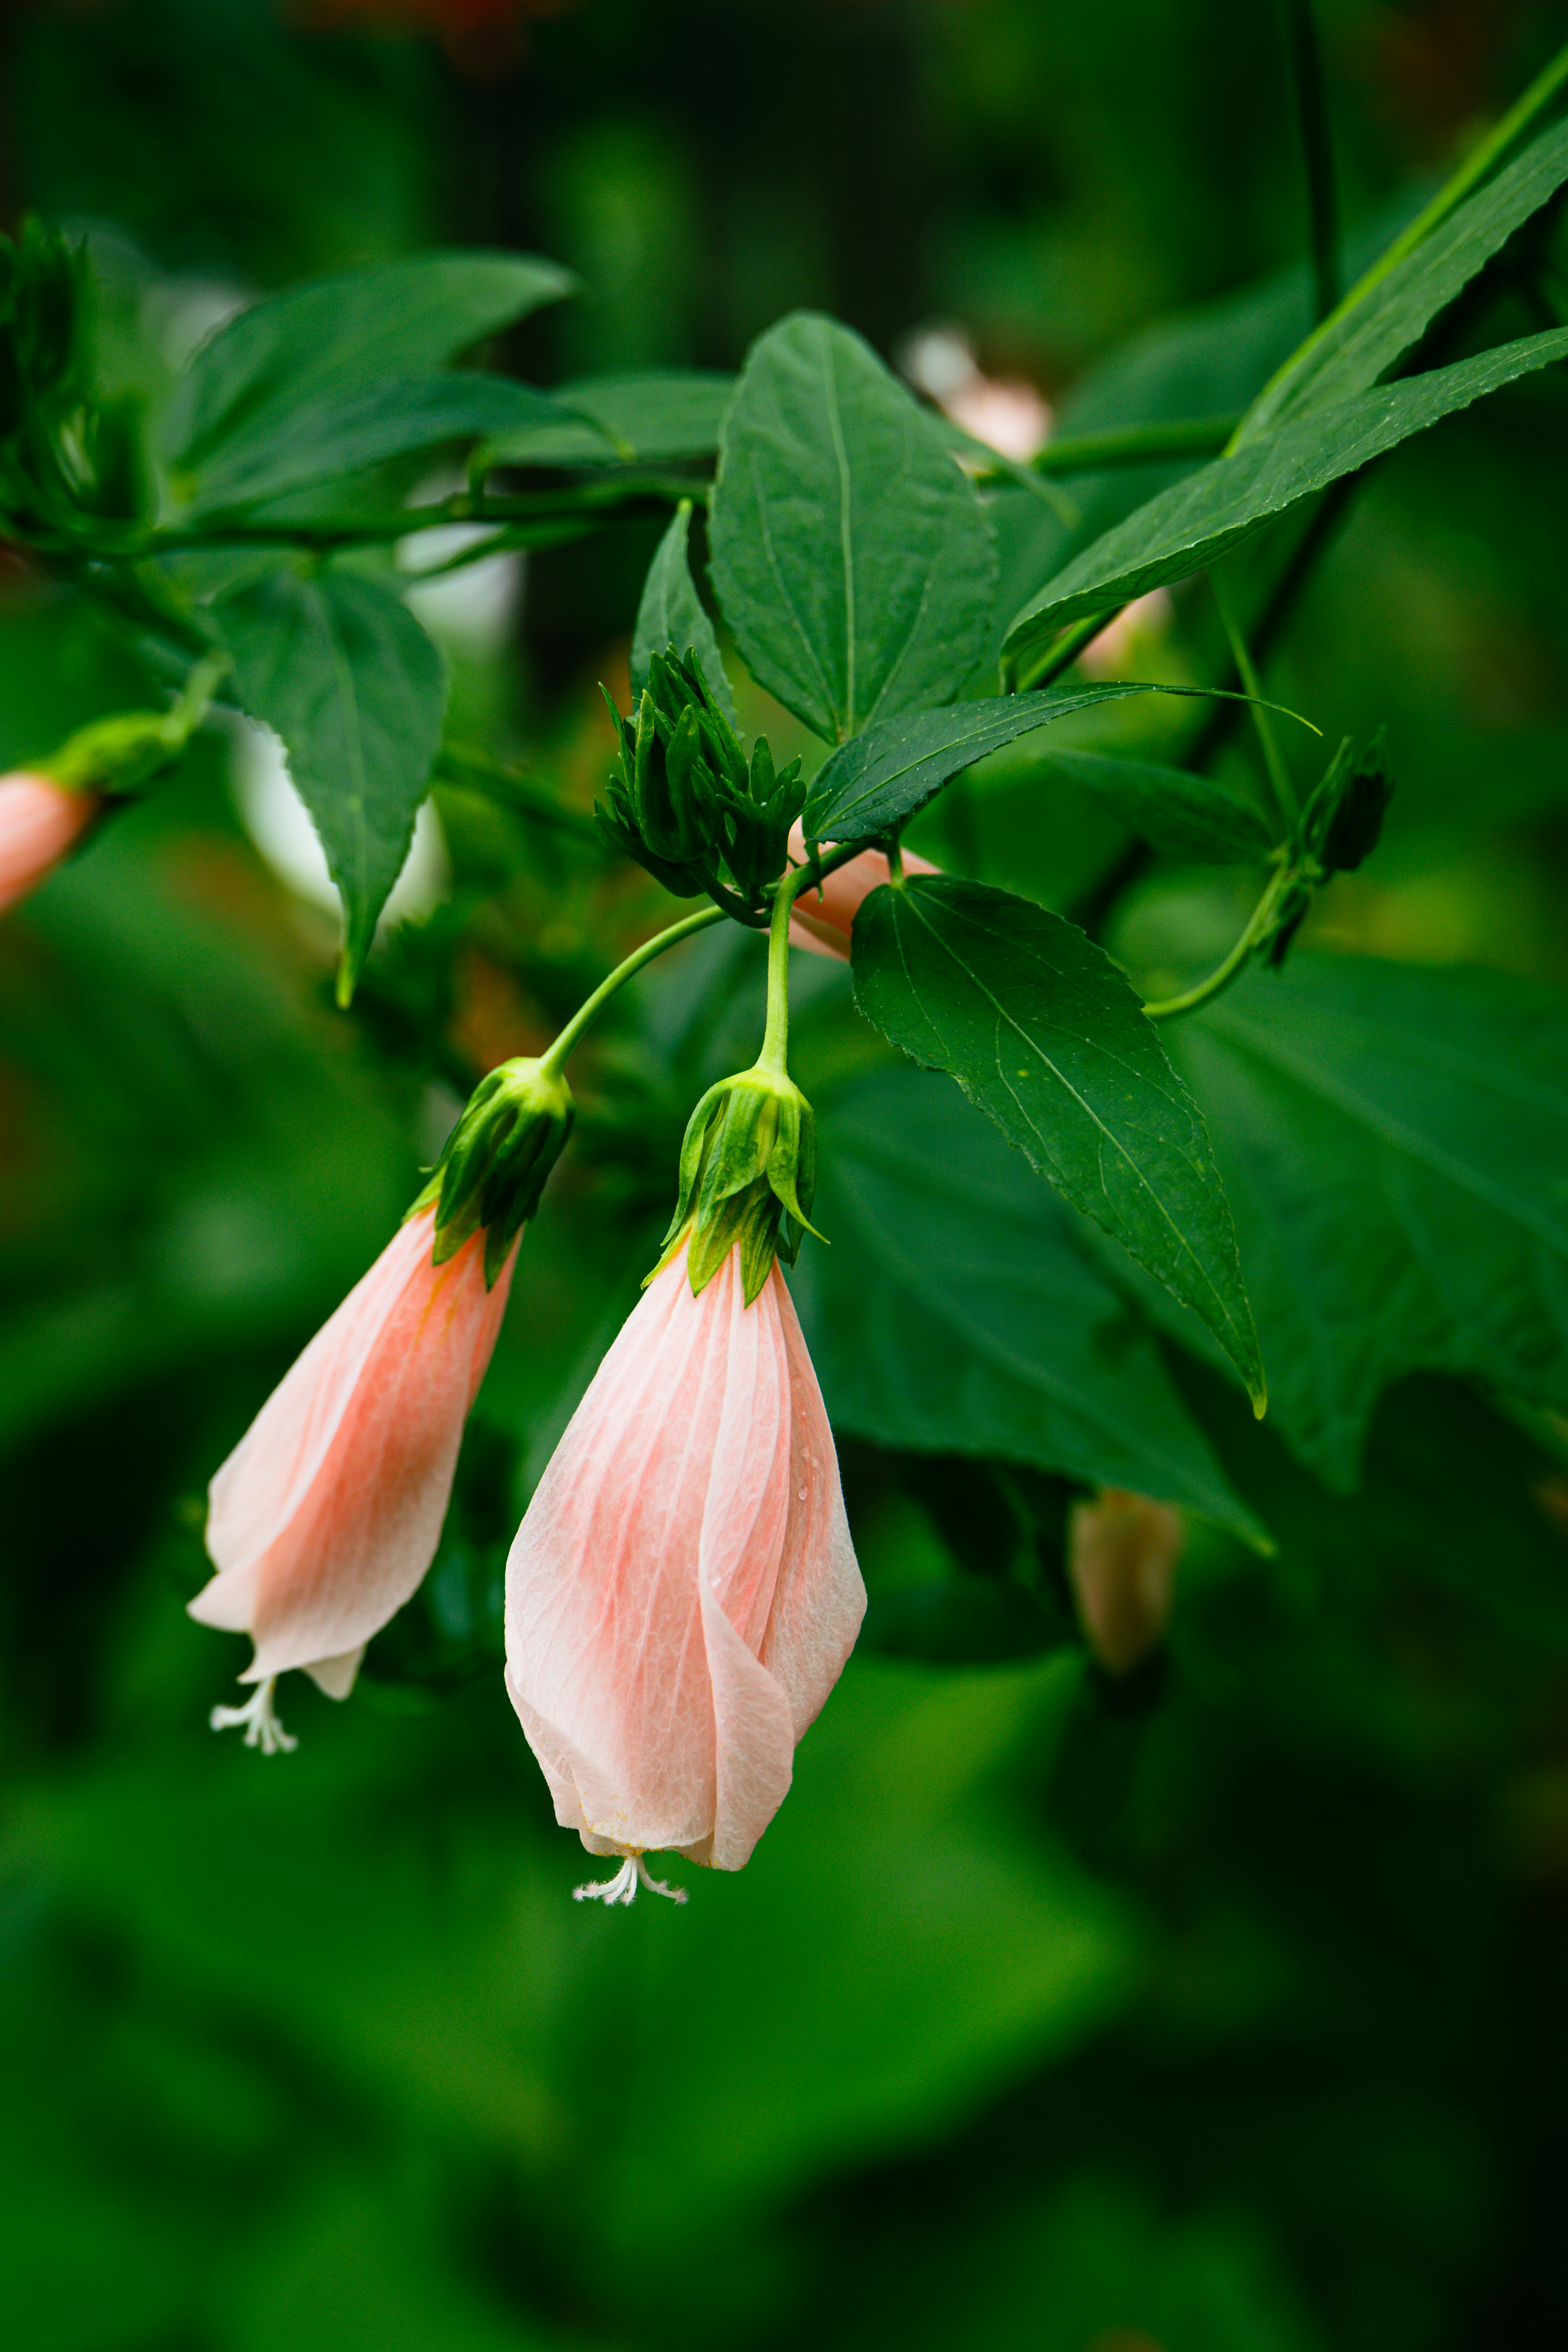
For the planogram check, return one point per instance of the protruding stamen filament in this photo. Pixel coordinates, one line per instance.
(632, 1873)
(259, 1718)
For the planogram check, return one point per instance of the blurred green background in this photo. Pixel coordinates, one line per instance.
(1226, 2010)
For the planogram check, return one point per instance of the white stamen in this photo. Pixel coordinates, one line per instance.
(632, 1873)
(259, 1717)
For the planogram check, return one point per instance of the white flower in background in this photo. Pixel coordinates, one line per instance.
(1004, 412)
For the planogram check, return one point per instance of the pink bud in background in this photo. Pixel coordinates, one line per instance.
(1122, 1551)
(821, 919)
(39, 820)
(326, 1514)
(683, 1592)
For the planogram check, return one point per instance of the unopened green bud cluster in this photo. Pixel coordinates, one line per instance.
(747, 1175)
(684, 802)
(497, 1159)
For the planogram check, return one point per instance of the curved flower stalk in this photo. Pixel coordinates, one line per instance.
(821, 919)
(683, 1591)
(41, 820)
(1123, 1554)
(325, 1518)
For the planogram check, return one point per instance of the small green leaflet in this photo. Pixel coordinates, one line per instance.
(349, 680)
(1183, 815)
(1196, 520)
(342, 432)
(618, 420)
(851, 558)
(1395, 1143)
(672, 613)
(956, 1312)
(1044, 1034)
(345, 332)
(1369, 332)
(885, 775)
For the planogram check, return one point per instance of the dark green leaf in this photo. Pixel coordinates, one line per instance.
(1196, 520)
(1173, 810)
(620, 419)
(956, 1310)
(1394, 1144)
(344, 432)
(884, 775)
(342, 333)
(1359, 343)
(345, 675)
(850, 555)
(672, 615)
(1043, 1032)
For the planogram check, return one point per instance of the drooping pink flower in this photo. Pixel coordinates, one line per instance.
(683, 1591)
(326, 1514)
(821, 919)
(39, 821)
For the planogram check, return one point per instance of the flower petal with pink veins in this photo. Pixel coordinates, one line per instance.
(326, 1515)
(682, 1593)
(821, 920)
(39, 821)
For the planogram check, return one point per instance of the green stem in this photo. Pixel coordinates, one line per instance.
(553, 1060)
(480, 771)
(1317, 152)
(1283, 789)
(542, 507)
(775, 1056)
(1134, 444)
(1167, 1008)
(195, 698)
(1060, 654)
(1480, 161)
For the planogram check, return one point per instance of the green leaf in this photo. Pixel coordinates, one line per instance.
(1185, 815)
(342, 333)
(344, 432)
(956, 1312)
(851, 557)
(884, 775)
(1395, 1145)
(617, 420)
(1198, 520)
(349, 680)
(1359, 342)
(672, 613)
(1044, 1034)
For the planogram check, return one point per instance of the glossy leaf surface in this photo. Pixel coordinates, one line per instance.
(851, 558)
(1044, 1034)
(1196, 520)
(956, 1311)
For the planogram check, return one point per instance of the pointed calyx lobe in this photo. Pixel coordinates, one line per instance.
(748, 1176)
(683, 1592)
(684, 802)
(496, 1160)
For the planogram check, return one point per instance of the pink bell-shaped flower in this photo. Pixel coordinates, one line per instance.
(821, 919)
(326, 1514)
(39, 821)
(683, 1592)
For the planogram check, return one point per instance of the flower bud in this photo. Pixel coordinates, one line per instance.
(682, 801)
(748, 1174)
(39, 823)
(496, 1160)
(1122, 1550)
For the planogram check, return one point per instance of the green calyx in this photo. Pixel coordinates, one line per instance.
(497, 1159)
(684, 802)
(1340, 828)
(748, 1174)
(117, 757)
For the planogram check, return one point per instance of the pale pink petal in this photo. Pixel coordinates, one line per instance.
(821, 920)
(39, 821)
(643, 1583)
(327, 1515)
